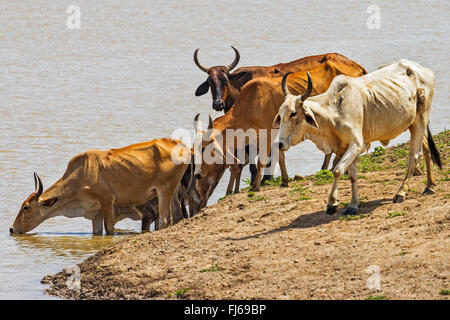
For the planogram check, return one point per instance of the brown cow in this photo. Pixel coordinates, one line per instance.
(259, 103)
(226, 86)
(99, 184)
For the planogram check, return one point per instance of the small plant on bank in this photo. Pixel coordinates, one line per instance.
(179, 293)
(379, 151)
(444, 292)
(369, 163)
(215, 267)
(323, 177)
(396, 214)
(351, 217)
(273, 182)
(257, 198)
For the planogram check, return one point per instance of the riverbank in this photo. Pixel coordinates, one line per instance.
(280, 244)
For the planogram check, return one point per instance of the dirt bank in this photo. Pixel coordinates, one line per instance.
(280, 244)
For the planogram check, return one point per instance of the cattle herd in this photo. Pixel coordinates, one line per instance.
(328, 99)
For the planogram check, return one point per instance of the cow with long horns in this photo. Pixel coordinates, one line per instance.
(352, 113)
(226, 85)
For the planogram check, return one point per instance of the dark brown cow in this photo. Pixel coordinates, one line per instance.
(226, 86)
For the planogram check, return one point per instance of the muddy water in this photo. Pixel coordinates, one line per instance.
(128, 76)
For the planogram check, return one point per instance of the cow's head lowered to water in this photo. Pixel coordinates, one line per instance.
(294, 116)
(34, 210)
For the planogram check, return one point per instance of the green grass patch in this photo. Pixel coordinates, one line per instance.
(396, 214)
(179, 293)
(214, 268)
(351, 217)
(303, 198)
(323, 177)
(400, 152)
(444, 292)
(273, 182)
(369, 163)
(403, 253)
(299, 190)
(251, 194)
(347, 177)
(379, 297)
(257, 198)
(379, 151)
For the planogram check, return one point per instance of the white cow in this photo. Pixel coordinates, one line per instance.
(353, 112)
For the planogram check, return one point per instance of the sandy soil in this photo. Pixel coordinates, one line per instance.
(280, 244)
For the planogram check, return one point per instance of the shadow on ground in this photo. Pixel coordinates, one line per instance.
(315, 219)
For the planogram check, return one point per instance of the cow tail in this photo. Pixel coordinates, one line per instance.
(435, 155)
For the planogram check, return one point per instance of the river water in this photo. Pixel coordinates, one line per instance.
(127, 75)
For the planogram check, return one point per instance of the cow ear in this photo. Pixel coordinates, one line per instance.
(277, 121)
(239, 79)
(48, 202)
(309, 116)
(202, 89)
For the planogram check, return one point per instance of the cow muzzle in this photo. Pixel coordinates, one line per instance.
(283, 146)
(218, 105)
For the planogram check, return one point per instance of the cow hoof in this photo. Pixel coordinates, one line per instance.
(427, 191)
(254, 189)
(331, 210)
(284, 184)
(350, 211)
(399, 198)
(417, 172)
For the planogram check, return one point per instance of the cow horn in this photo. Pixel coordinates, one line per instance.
(309, 89)
(236, 60)
(284, 84)
(210, 129)
(197, 129)
(210, 124)
(38, 185)
(204, 69)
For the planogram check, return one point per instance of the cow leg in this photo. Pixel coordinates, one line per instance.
(354, 149)
(354, 204)
(146, 222)
(417, 131)
(234, 168)
(97, 224)
(269, 176)
(253, 172)
(237, 181)
(429, 168)
(194, 202)
(165, 206)
(335, 161)
(177, 214)
(262, 162)
(108, 215)
(284, 173)
(326, 161)
(149, 214)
